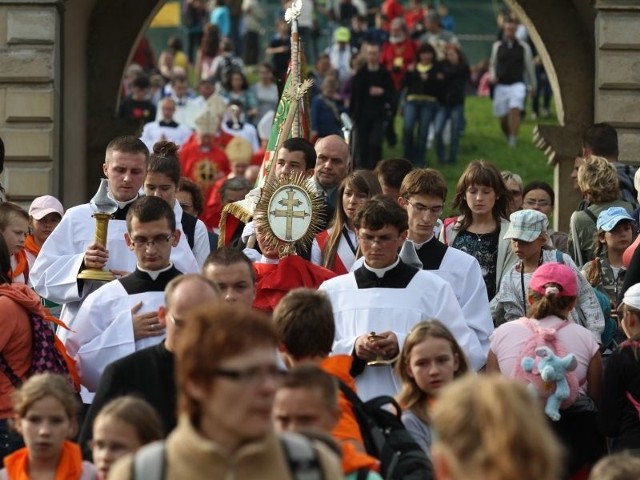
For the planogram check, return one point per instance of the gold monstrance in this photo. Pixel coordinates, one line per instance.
(103, 207)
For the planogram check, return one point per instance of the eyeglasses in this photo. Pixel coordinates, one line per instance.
(252, 376)
(437, 210)
(157, 240)
(383, 240)
(541, 203)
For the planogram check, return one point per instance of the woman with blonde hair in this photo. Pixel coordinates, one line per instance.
(598, 181)
(482, 199)
(431, 358)
(491, 428)
(337, 247)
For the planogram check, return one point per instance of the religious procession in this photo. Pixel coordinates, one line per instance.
(267, 283)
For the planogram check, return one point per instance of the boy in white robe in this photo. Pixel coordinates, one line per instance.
(121, 317)
(422, 194)
(388, 297)
(71, 247)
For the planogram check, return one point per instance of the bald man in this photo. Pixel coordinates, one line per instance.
(332, 166)
(149, 373)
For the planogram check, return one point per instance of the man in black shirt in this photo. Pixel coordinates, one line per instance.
(511, 61)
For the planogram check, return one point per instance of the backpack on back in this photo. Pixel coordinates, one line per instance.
(545, 365)
(48, 353)
(386, 438)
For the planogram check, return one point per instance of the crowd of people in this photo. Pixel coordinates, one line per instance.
(220, 349)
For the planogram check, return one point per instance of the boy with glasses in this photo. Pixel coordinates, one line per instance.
(422, 194)
(376, 306)
(122, 316)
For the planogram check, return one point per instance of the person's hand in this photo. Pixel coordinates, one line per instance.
(386, 346)
(533, 92)
(376, 91)
(95, 256)
(145, 325)
(119, 273)
(364, 348)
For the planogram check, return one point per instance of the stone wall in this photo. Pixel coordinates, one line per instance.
(617, 88)
(30, 97)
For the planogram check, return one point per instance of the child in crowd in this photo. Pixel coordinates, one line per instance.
(45, 214)
(620, 407)
(46, 409)
(552, 294)
(122, 427)
(482, 199)
(14, 226)
(606, 271)
(531, 244)
(336, 248)
(430, 359)
(477, 439)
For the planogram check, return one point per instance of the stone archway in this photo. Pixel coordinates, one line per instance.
(564, 35)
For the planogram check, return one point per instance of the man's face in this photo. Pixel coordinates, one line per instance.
(231, 196)
(239, 409)
(423, 212)
(372, 53)
(188, 294)
(380, 247)
(205, 89)
(332, 163)
(234, 281)
(168, 109)
(239, 168)
(296, 409)
(509, 29)
(126, 172)
(152, 242)
(180, 89)
(291, 162)
(574, 173)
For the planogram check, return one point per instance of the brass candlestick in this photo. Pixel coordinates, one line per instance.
(104, 207)
(379, 361)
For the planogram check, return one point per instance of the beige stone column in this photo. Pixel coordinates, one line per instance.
(30, 97)
(617, 87)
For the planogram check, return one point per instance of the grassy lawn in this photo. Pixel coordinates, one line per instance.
(483, 139)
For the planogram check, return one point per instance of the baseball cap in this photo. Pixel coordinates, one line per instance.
(557, 273)
(527, 225)
(342, 34)
(609, 218)
(43, 206)
(632, 296)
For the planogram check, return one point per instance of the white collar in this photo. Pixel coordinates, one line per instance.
(154, 274)
(381, 271)
(420, 245)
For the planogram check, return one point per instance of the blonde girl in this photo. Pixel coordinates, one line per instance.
(46, 410)
(430, 359)
(491, 428)
(337, 247)
(122, 427)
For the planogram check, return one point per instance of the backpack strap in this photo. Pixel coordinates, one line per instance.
(591, 215)
(302, 457)
(9, 372)
(363, 474)
(150, 462)
(559, 257)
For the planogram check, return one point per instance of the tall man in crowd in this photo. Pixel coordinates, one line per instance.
(121, 317)
(376, 306)
(149, 373)
(71, 247)
(423, 194)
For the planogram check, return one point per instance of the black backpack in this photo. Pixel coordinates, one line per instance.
(386, 438)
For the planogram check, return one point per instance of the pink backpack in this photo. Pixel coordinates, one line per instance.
(533, 354)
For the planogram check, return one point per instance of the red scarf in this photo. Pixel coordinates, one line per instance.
(69, 466)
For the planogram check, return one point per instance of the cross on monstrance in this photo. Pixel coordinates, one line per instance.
(290, 214)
